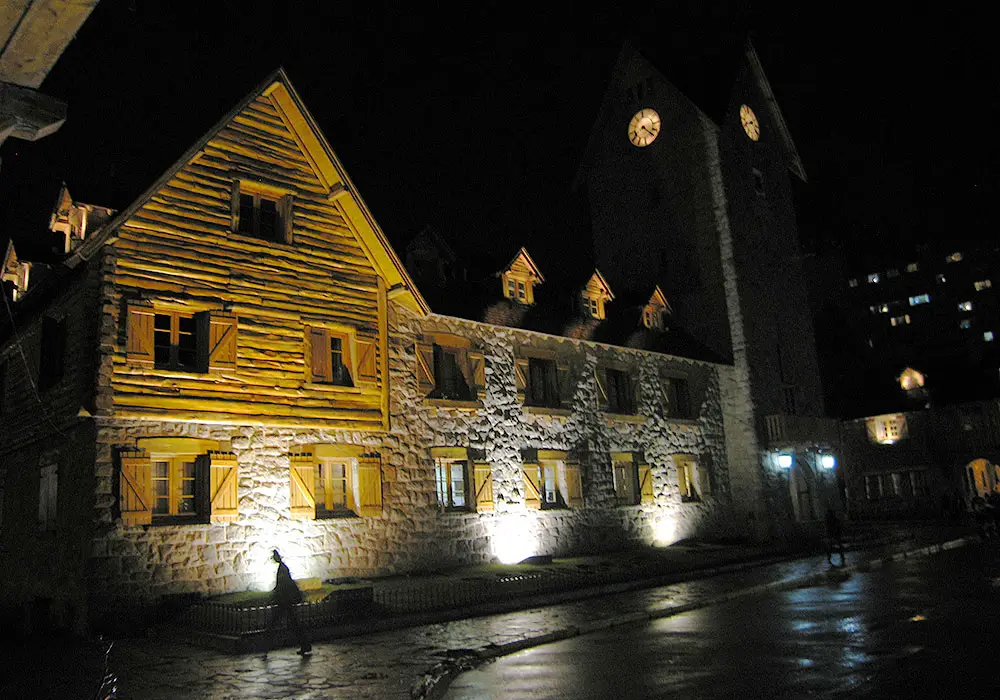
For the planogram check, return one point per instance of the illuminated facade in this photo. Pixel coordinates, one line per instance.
(239, 361)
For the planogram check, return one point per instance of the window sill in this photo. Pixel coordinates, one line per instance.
(337, 515)
(159, 520)
(451, 512)
(470, 405)
(624, 418)
(548, 411)
(690, 499)
(682, 421)
(337, 387)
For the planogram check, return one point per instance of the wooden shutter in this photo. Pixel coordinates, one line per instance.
(367, 369)
(681, 476)
(285, 217)
(574, 485)
(532, 492)
(521, 376)
(477, 374)
(234, 203)
(369, 486)
(319, 355)
(302, 486)
(222, 341)
(565, 389)
(601, 380)
(484, 486)
(704, 480)
(645, 484)
(139, 334)
(223, 487)
(425, 368)
(135, 492)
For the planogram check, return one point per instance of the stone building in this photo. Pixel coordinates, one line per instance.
(697, 198)
(239, 361)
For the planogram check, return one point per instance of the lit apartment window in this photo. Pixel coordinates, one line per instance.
(912, 267)
(900, 320)
(920, 299)
(982, 284)
(965, 324)
(883, 309)
(940, 279)
(893, 272)
(853, 282)
(954, 257)
(874, 278)
(988, 336)
(965, 306)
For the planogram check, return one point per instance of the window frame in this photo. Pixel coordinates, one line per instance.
(444, 488)
(459, 364)
(549, 383)
(688, 485)
(557, 500)
(625, 479)
(173, 349)
(175, 480)
(677, 391)
(348, 351)
(618, 380)
(326, 508)
(259, 192)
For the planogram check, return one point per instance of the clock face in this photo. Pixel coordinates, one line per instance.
(750, 123)
(644, 127)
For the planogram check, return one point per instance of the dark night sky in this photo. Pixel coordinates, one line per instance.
(474, 119)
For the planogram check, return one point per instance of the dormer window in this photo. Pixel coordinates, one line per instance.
(656, 307)
(520, 278)
(594, 295)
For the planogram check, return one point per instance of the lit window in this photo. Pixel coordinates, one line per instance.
(887, 429)
(965, 324)
(451, 477)
(174, 486)
(965, 306)
(893, 272)
(334, 488)
(692, 481)
(551, 497)
(940, 279)
(873, 278)
(920, 299)
(883, 309)
(988, 336)
(652, 317)
(912, 267)
(853, 282)
(900, 320)
(982, 284)
(954, 257)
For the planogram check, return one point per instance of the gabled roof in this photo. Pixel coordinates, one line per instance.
(658, 298)
(526, 261)
(328, 170)
(598, 284)
(774, 111)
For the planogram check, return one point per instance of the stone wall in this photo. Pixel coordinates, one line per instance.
(147, 562)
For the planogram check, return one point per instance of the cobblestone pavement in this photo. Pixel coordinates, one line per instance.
(389, 665)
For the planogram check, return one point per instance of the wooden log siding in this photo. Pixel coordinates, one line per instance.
(179, 247)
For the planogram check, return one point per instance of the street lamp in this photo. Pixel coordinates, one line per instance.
(828, 461)
(785, 461)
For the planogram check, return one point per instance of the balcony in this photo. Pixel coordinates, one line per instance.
(788, 431)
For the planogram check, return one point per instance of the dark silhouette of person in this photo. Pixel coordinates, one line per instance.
(286, 596)
(834, 536)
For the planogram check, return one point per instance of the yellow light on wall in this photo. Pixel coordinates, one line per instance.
(665, 530)
(513, 539)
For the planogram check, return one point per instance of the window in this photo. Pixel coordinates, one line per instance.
(175, 341)
(887, 429)
(988, 336)
(621, 397)
(853, 282)
(918, 483)
(451, 478)
(331, 357)
(692, 481)
(53, 352)
(982, 284)
(789, 394)
(758, 182)
(522, 295)
(47, 497)
(900, 320)
(874, 278)
(449, 381)
(543, 387)
(873, 487)
(954, 257)
(892, 272)
(652, 318)
(593, 307)
(883, 308)
(261, 212)
(333, 481)
(175, 481)
(920, 299)
(334, 487)
(552, 482)
(912, 267)
(965, 306)
(174, 486)
(965, 324)
(678, 398)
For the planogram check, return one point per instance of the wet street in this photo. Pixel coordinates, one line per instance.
(924, 627)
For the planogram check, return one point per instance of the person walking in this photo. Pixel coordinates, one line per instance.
(834, 536)
(286, 596)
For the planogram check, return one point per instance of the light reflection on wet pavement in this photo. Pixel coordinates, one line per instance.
(863, 637)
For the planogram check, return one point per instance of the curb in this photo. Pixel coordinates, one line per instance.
(437, 680)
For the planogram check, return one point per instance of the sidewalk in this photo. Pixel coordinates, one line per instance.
(419, 661)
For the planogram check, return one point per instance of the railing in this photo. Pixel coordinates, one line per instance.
(781, 430)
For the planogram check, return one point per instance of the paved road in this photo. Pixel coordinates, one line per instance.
(924, 627)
